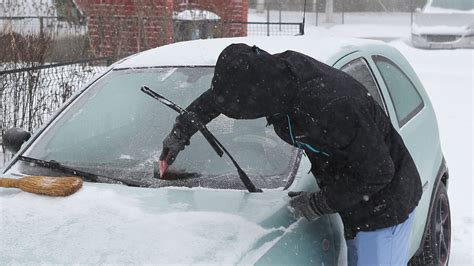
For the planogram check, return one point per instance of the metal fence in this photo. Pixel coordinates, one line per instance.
(273, 28)
(30, 94)
(343, 11)
(209, 29)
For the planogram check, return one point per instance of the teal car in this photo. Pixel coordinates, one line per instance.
(203, 213)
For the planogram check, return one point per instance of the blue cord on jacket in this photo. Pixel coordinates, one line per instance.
(300, 144)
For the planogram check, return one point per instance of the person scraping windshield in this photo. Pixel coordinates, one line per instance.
(362, 166)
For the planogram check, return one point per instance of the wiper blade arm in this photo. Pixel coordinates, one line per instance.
(216, 145)
(218, 148)
(71, 171)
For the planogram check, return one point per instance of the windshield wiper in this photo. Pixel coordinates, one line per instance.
(71, 171)
(216, 145)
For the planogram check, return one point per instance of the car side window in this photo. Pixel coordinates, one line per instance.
(406, 99)
(359, 69)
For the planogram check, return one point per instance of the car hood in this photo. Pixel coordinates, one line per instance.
(443, 23)
(104, 223)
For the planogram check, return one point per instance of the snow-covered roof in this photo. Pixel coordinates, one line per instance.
(196, 14)
(205, 52)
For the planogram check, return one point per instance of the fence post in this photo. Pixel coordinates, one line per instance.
(109, 61)
(317, 12)
(279, 16)
(268, 20)
(41, 26)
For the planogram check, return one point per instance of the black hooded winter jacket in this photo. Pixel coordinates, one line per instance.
(362, 166)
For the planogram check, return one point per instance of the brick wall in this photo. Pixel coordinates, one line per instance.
(121, 27)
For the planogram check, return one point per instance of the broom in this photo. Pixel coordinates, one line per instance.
(44, 185)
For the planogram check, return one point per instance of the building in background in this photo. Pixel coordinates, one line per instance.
(121, 27)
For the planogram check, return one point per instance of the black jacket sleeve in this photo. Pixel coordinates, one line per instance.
(203, 107)
(366, 165)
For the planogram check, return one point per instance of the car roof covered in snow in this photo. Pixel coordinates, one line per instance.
(205, 52)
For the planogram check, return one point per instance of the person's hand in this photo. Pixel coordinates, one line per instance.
(163, 165)
(172, 145)
(304, 205)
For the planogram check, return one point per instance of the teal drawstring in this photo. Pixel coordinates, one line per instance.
(300, 144)
(289, 128)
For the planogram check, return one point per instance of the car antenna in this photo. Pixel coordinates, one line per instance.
(216, 145)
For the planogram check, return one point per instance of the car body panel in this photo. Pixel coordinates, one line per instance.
(421, 137)
(277, 236)
(426, 151)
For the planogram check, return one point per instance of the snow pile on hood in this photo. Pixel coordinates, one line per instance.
(101, 226)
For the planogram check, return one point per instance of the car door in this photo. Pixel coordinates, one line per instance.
(416, 123)
(400, 98)
(403, 98)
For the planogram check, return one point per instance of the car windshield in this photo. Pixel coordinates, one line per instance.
(464, 5)
(114, 129)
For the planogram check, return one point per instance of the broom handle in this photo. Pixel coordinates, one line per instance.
(9, 182)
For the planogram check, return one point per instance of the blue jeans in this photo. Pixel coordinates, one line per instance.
(386, 246)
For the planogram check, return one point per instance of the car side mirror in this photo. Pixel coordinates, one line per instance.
(14, 138)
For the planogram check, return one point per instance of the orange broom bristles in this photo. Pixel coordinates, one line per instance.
(44, 185)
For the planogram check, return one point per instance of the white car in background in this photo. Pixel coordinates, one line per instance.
(444, 24)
